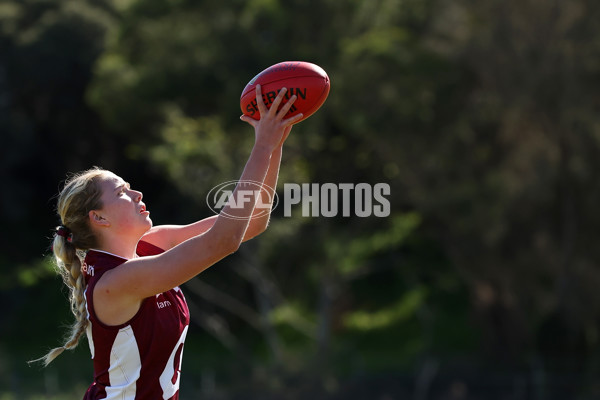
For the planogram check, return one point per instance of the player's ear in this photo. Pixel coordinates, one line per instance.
(96, 219)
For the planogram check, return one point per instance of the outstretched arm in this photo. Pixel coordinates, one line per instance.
(169, 236)
(261, 216)
(120, 291)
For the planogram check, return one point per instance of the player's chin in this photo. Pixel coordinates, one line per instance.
(147, 221)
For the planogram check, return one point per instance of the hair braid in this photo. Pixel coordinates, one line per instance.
(80, 195)
(69, 267)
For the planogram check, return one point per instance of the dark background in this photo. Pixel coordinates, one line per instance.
(482, 116)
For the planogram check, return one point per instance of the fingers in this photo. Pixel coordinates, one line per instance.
(273, 111)
(262, 108)
(292, 120)
(286, 107)
(274, 108)
(277, 102)
(249, 120)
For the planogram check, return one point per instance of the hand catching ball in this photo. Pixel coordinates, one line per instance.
(307, 81)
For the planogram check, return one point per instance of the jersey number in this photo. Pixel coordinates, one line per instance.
(169, 379)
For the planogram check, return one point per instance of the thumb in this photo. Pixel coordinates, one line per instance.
(249, 120)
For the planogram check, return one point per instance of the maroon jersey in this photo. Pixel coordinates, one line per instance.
(140, 359)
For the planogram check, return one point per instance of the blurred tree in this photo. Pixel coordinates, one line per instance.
(509, 179)
(47, 52)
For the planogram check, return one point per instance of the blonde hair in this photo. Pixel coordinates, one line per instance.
(80, 195)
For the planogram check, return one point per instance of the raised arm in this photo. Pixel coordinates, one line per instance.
(259, 223)
(169, 236)
(125, 287)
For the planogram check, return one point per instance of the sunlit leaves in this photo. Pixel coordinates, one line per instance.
(390, 316)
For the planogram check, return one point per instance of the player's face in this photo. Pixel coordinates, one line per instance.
(122, 206)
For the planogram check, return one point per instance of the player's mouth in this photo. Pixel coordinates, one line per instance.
(143, 210)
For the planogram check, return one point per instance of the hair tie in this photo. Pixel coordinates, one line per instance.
(64, 232)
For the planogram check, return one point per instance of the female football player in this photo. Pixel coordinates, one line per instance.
(124, 274)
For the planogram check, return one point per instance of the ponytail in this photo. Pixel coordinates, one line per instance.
(69, 267)
(80, 195)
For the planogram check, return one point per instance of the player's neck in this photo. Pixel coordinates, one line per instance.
(119, 246)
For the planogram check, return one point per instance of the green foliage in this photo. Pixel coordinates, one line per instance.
(194, 152)
(31, 275)
(389, 316)
(350, 252)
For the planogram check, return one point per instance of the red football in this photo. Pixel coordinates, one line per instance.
(307, 81)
